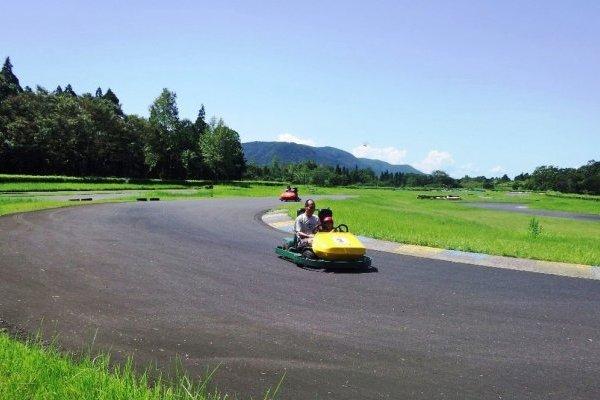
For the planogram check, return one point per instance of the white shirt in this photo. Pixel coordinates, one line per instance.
(306, 224)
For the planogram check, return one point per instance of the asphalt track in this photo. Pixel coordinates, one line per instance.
(199, 280)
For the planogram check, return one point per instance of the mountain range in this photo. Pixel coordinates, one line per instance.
(263, 153)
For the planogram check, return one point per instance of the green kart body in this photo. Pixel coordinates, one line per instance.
(289, 251)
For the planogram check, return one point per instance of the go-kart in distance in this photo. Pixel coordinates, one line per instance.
(333, 248)
(290, 194)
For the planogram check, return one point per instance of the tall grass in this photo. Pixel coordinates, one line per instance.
(535, 229)
(30, 369)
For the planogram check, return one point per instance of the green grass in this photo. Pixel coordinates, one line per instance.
(15, 204)
(71, 186)
(11, 205)
(580, 204)
(239, 190)
(584, 205)
(34, 183)
(30, 370)
(398, 216)
(30, 183)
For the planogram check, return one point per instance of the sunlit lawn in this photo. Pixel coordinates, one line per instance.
(399, 216)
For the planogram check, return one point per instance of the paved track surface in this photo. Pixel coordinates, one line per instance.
(200, 280)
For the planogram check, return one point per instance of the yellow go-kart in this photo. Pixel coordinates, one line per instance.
(335, 249)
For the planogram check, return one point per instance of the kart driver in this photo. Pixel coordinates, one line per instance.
(306, 225)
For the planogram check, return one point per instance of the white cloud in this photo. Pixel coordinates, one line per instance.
(435, 160)
(498, 170)
(468, 169)
(389, 154)
(288, 137)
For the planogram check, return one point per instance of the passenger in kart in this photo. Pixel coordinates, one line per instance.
(327, 224)
(306, 225)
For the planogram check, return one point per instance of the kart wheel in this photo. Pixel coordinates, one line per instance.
(309, 254)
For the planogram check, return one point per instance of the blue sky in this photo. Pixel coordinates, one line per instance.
(471, 87)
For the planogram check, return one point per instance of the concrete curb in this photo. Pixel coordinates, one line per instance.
(280, 220)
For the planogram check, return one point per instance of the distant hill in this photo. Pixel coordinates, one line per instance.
(263, 153)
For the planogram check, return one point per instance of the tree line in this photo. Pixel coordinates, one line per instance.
(61, 132)
(585, 180)
(308, 172)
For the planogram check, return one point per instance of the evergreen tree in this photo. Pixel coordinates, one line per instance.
(9, 77)
(4, 88)
(9, 83)
(200, 123)
(58, 90)
(41, 90)
(112, 97)
(99, 93)
(69, 90)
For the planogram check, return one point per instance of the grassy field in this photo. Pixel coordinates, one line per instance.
(91, 186)
(398, 216)
(29, 183)
(542, 201)
(32, 371)
(34, 183)
(10, 205)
